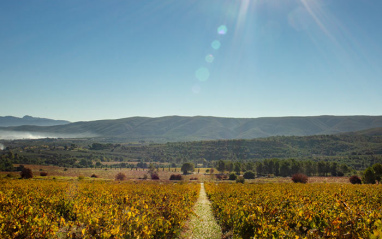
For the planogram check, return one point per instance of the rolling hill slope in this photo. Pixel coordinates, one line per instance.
(6, 121)
(178, 128)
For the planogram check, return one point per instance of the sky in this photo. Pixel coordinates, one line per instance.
(83, 60)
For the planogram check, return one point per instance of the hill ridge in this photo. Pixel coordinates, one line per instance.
(190, 128)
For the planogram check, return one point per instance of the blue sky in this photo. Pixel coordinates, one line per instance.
(83, 60)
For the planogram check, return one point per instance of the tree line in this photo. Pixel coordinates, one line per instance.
(285, 167)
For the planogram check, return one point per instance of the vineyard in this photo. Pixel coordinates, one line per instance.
(297, 210)
(94, 209)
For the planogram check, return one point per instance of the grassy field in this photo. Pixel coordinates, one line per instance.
(164, 174)
(107, 174)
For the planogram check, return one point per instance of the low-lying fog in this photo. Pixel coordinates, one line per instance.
(11, 135)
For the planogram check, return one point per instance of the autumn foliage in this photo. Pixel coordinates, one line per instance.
(26, 173)
(296, 210)
(299, 178)
(355, 180)
(94, 209)
(120, 177)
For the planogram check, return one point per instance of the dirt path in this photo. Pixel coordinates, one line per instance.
(203, 225)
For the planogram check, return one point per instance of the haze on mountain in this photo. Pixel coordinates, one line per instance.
(6, 121)
(181, 128)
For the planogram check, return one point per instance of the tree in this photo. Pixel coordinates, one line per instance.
(344, 168)
(237, 167)
(285, 168)
(187, 167)
(220, 166)
(295, 167)
(6, 164)
(229, 166)
(98, 164)
(249, 166)
(259, 168)
(309, 168)
(369, 176)
(333, 169)
(321, 168)
(378, 171)
(26, 173)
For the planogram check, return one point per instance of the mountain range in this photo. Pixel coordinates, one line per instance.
(180, 128)
(6, 121)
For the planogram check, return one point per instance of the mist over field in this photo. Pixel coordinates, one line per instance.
(12, 135)
(2, 146)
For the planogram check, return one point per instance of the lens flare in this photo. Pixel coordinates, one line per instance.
(215, 44)
(210, 58)
(222, 30)
(202, 74)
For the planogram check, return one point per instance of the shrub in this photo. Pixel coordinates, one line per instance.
(43, 174)
(145, 176)
(176, 177)
(299, 178)
(94, 176)
(249, 175)
(355, 180)
(120, 177)
(81, 177)
(232, 176)
(240, 179)
(221, 176)
(154, 176)
(26, 173)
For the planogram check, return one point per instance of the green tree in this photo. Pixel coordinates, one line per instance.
(187, 167)
(344, 168)
(333, 169)
(309, 168)
(285, 168)
(6, 164)
(229, 166)
(220, 166)
(378, 171)
(249, 166)
(321, 168)
(369, 176)
(98, 164)
(237, 168)
(259, 168)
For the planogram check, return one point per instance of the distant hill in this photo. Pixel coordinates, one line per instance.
(367, 132)
(6, 121)
(178, 128)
